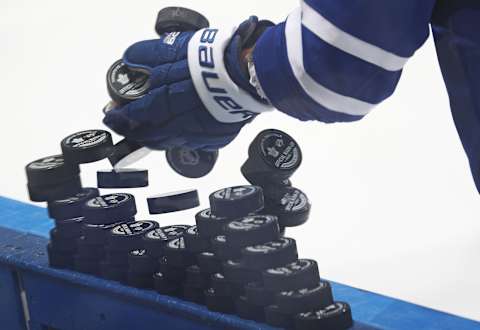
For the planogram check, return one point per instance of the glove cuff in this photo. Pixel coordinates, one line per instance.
(224, 99)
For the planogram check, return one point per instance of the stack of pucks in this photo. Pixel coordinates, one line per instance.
(52, 178)
(109, 209)
(121, 240)
(191, 163)
(68, 216)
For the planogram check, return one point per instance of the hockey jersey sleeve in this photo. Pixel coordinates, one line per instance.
(334, 60)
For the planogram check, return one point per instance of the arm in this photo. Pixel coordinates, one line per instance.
(334, 60)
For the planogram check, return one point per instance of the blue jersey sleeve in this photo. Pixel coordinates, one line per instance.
(334, 60)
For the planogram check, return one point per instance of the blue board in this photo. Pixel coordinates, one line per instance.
(68, 300)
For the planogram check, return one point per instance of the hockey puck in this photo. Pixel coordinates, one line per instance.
(257, 295)
(177, 254)
(194, 242)
(223, 250)
(124, 84)
(191, 163)
(69, 227)
(178, 19)
(251, 230)
(122, 178)
(86, 266)
(128, 236)
(50, 171)
(140, 262)
(248, 311)
(275, 154)
(140, 280)
(223, 287)
(248, 171)
(276, 318)
(194, 295)
(306, 299)
(290, 205)
(89, 251)
(171, 273)
(270, 254)
(217, 303)
(173, 201)
(71, 207)
(52, 192)
(61, 243)
(164, 286)
(109, 209)
(59, 259)
(87, 146)
(117, 258)
(155, 240)
(337, 316)
(237, 272)
(126, 153)
(302, 273)
(195, 278)
(210, 225)
(235, 202)
(209, 263)
(113, 272)
(97, 234)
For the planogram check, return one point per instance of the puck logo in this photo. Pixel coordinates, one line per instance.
(192, 230)
(134, 228)
(294, 267)
(108, 201)
(222, 239)
(138, 253)
(234, 193)
(303, 291)
(188, 157)
(250, 223)
(166, 233)
(127, 82)
(327, 312)
(177, 244)
(86, 139)
(47, 163)
(280, 151)
(294, 201)
(269, 247)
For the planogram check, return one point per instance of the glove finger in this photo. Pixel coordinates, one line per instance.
(169, 73)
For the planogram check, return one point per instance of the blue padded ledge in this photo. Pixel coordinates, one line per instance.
(67, 300)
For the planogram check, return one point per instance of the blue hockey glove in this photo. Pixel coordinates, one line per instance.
(199, 94)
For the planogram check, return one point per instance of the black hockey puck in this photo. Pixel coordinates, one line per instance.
(164, 286)
(290, 205)
(235, 202)
(117, 258)
(223, 287)
(97, 234)
(113, 272)
(337, 316)
(270, 254)
(90, 251)
(194, 295)
(177, 254)
(126, 153)
(155, 240)
(302, 273)
(71, 207)
(257, 295)
(194, 242)
(62, 243)
(87, 146)
(140, 280)
(237, 272)
(248, 171)
(210, 225)
(223, 250)
(306, 299)
(125, 85)
(276, 318)
(109, 209)
(251, 230)
(191, 163)
(86, 266)
(195, 278)
(218, 303)
(275, 154)
(128, 236)
(59, 259)
(52, 192)
(209, 263)
(173, 201)
(178, 19)
(248, 311)
(140, 262)
(50, 171)
(170, 272)
(69, 227)
(122, 178)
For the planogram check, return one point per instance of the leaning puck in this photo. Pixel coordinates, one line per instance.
(250, 230)
(337, 316)
(290, 205)
(302, 273)
(155, 240)
(50, 171)
(126, 153)
(128, 236)
(125, 85)
(110, 208)
(173, 201)
(235, 202)
(122, 178)
(191, 163)
(306, 299)
(71, 207)
(87, 146)
(178, 19)
(270, 254)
